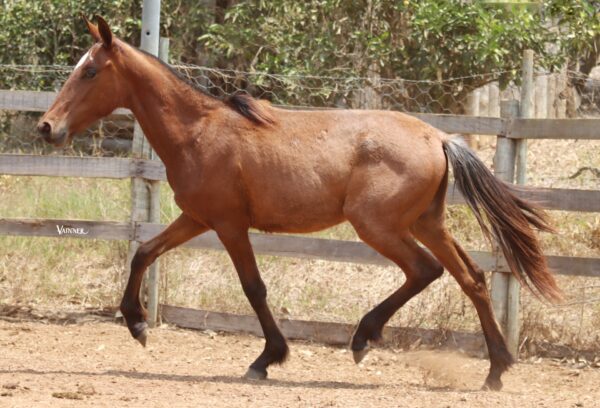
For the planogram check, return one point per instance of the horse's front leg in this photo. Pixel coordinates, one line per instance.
(237, 243)
(181, 230)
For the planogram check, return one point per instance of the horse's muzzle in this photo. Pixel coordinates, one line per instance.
(49, 135)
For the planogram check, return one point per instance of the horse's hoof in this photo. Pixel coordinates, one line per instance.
(359, 355)
(143, 337)
(492, 385)
(253, 374)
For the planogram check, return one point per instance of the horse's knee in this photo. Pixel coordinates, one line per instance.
(144, 256)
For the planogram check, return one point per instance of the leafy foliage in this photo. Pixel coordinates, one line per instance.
(429, 39)
(578, 30)
(51, 32)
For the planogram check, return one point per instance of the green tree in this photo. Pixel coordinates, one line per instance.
(427, 40)
(51, 32)
(578, 34)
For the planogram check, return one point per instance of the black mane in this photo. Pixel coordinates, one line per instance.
(242, 103)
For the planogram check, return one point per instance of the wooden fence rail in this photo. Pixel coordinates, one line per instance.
(322, 332)
(515, 128)
(122, 168)
(265, 244)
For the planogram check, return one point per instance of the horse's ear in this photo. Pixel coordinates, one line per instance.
(105, 32)
(93, 29)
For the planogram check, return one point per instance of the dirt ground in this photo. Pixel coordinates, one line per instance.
(98, 364)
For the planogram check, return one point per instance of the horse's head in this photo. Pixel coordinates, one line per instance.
(93, 90)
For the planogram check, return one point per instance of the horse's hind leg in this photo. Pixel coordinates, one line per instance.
(181, 230)
(419, 267)
(431, 232)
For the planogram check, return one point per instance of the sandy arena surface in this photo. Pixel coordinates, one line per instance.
(97, 364)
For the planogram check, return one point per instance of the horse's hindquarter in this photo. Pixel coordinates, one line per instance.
(298, 174)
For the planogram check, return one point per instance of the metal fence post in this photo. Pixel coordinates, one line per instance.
(153, 285)
(141, 207)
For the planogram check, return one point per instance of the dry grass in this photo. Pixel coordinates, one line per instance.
(87, 273)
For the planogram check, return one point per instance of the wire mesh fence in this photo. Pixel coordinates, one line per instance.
(558, 95)
(109, 137)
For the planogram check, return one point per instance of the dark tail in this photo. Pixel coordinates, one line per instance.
(510, 219)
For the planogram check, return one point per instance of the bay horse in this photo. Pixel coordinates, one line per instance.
(239, 163)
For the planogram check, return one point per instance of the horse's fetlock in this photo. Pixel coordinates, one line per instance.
(369, 329)
(125, 308)
(279, 350)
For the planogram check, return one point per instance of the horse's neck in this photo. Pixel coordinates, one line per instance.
(165, 108)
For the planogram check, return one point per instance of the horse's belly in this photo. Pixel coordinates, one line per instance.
(295, 214)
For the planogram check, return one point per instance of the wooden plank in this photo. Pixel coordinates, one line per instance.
(321, 332)
(554, 129)
(27, 101)
(119, 168)
(35, 101)
(561, 198)
(464, 124)
(71, 166)
(282, 245)
(66, 229)
(574, 266)
(301, 247)
(550, 198)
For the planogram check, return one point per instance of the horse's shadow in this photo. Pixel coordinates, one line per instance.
(224, 379)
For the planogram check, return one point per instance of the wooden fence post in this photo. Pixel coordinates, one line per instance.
(511, 154)
(551, 98)
(494, 100)
(561, 94)
(472, 109)
(502, 292)
(526, 111)
(141, 202)
(541, 95)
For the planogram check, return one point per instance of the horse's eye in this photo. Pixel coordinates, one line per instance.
(90, 73)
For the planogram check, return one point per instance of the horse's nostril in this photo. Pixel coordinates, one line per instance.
(44, 129)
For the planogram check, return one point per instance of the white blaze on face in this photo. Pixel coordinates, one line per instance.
(83, 60)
